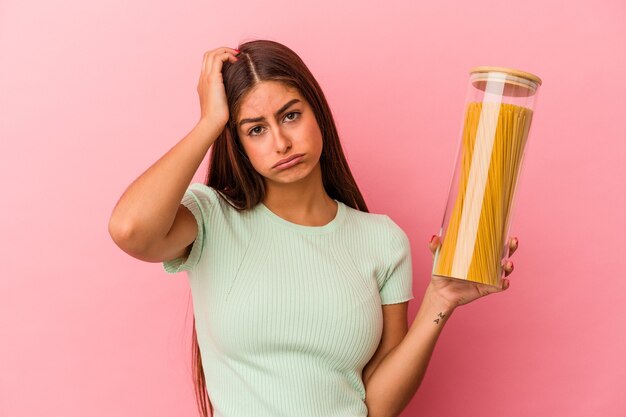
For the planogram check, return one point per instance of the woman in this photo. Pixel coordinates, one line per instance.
(300, 294)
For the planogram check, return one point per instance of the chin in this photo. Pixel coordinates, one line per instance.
(295, 174)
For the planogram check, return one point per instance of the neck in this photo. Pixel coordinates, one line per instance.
(304, 202)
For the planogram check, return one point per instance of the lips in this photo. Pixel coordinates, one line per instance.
(282, 161)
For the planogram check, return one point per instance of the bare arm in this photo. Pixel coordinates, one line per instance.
(146, 211)
(149, 222)
(395, 380)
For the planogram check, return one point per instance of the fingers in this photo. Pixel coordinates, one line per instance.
(513, 245)
(508, 268)
(506, 263)
(434, 244)
(221, 55)
(212, 61)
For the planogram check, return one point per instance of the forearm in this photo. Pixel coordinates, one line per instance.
(146, 210)
(396, 379)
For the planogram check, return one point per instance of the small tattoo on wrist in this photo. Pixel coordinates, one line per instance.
(439, 316)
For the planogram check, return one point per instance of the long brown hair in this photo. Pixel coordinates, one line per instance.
(230, 171)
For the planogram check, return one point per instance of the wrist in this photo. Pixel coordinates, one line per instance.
(434, 310)
(209, 123)
(208, 128)
(437, 301)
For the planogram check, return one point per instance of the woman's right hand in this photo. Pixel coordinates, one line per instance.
(213, 103)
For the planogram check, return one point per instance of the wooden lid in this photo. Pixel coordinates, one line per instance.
(518, 83)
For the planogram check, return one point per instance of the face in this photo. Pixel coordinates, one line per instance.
(274, 123)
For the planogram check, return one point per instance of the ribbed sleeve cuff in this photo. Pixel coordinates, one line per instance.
(397, 300)
(181, 264)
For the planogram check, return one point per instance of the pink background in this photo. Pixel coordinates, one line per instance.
(93, 93)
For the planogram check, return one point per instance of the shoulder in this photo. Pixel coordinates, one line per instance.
(377, 224)
(360, 218)
(215, 207)
(209, 196)
(199, 189)
(397, 233)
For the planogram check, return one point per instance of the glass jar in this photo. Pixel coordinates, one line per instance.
(499, 108)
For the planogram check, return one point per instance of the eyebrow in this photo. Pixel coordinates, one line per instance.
(278, 112)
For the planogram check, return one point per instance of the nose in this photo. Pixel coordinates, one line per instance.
(282, 141)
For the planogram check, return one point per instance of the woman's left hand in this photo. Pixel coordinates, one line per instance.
(456, 292)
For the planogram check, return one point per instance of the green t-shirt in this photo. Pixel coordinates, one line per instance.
(288, 315)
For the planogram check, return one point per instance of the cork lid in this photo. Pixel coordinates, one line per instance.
(517, 83)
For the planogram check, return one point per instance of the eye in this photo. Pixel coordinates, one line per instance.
(251, 132)
(294, 113)
(254, 132)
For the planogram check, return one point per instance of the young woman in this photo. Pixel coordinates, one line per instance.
(300, 294)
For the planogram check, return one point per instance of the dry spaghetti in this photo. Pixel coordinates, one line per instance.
(493, 140)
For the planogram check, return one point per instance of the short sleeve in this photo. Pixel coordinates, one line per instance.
(200, 200)
(397, 286)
